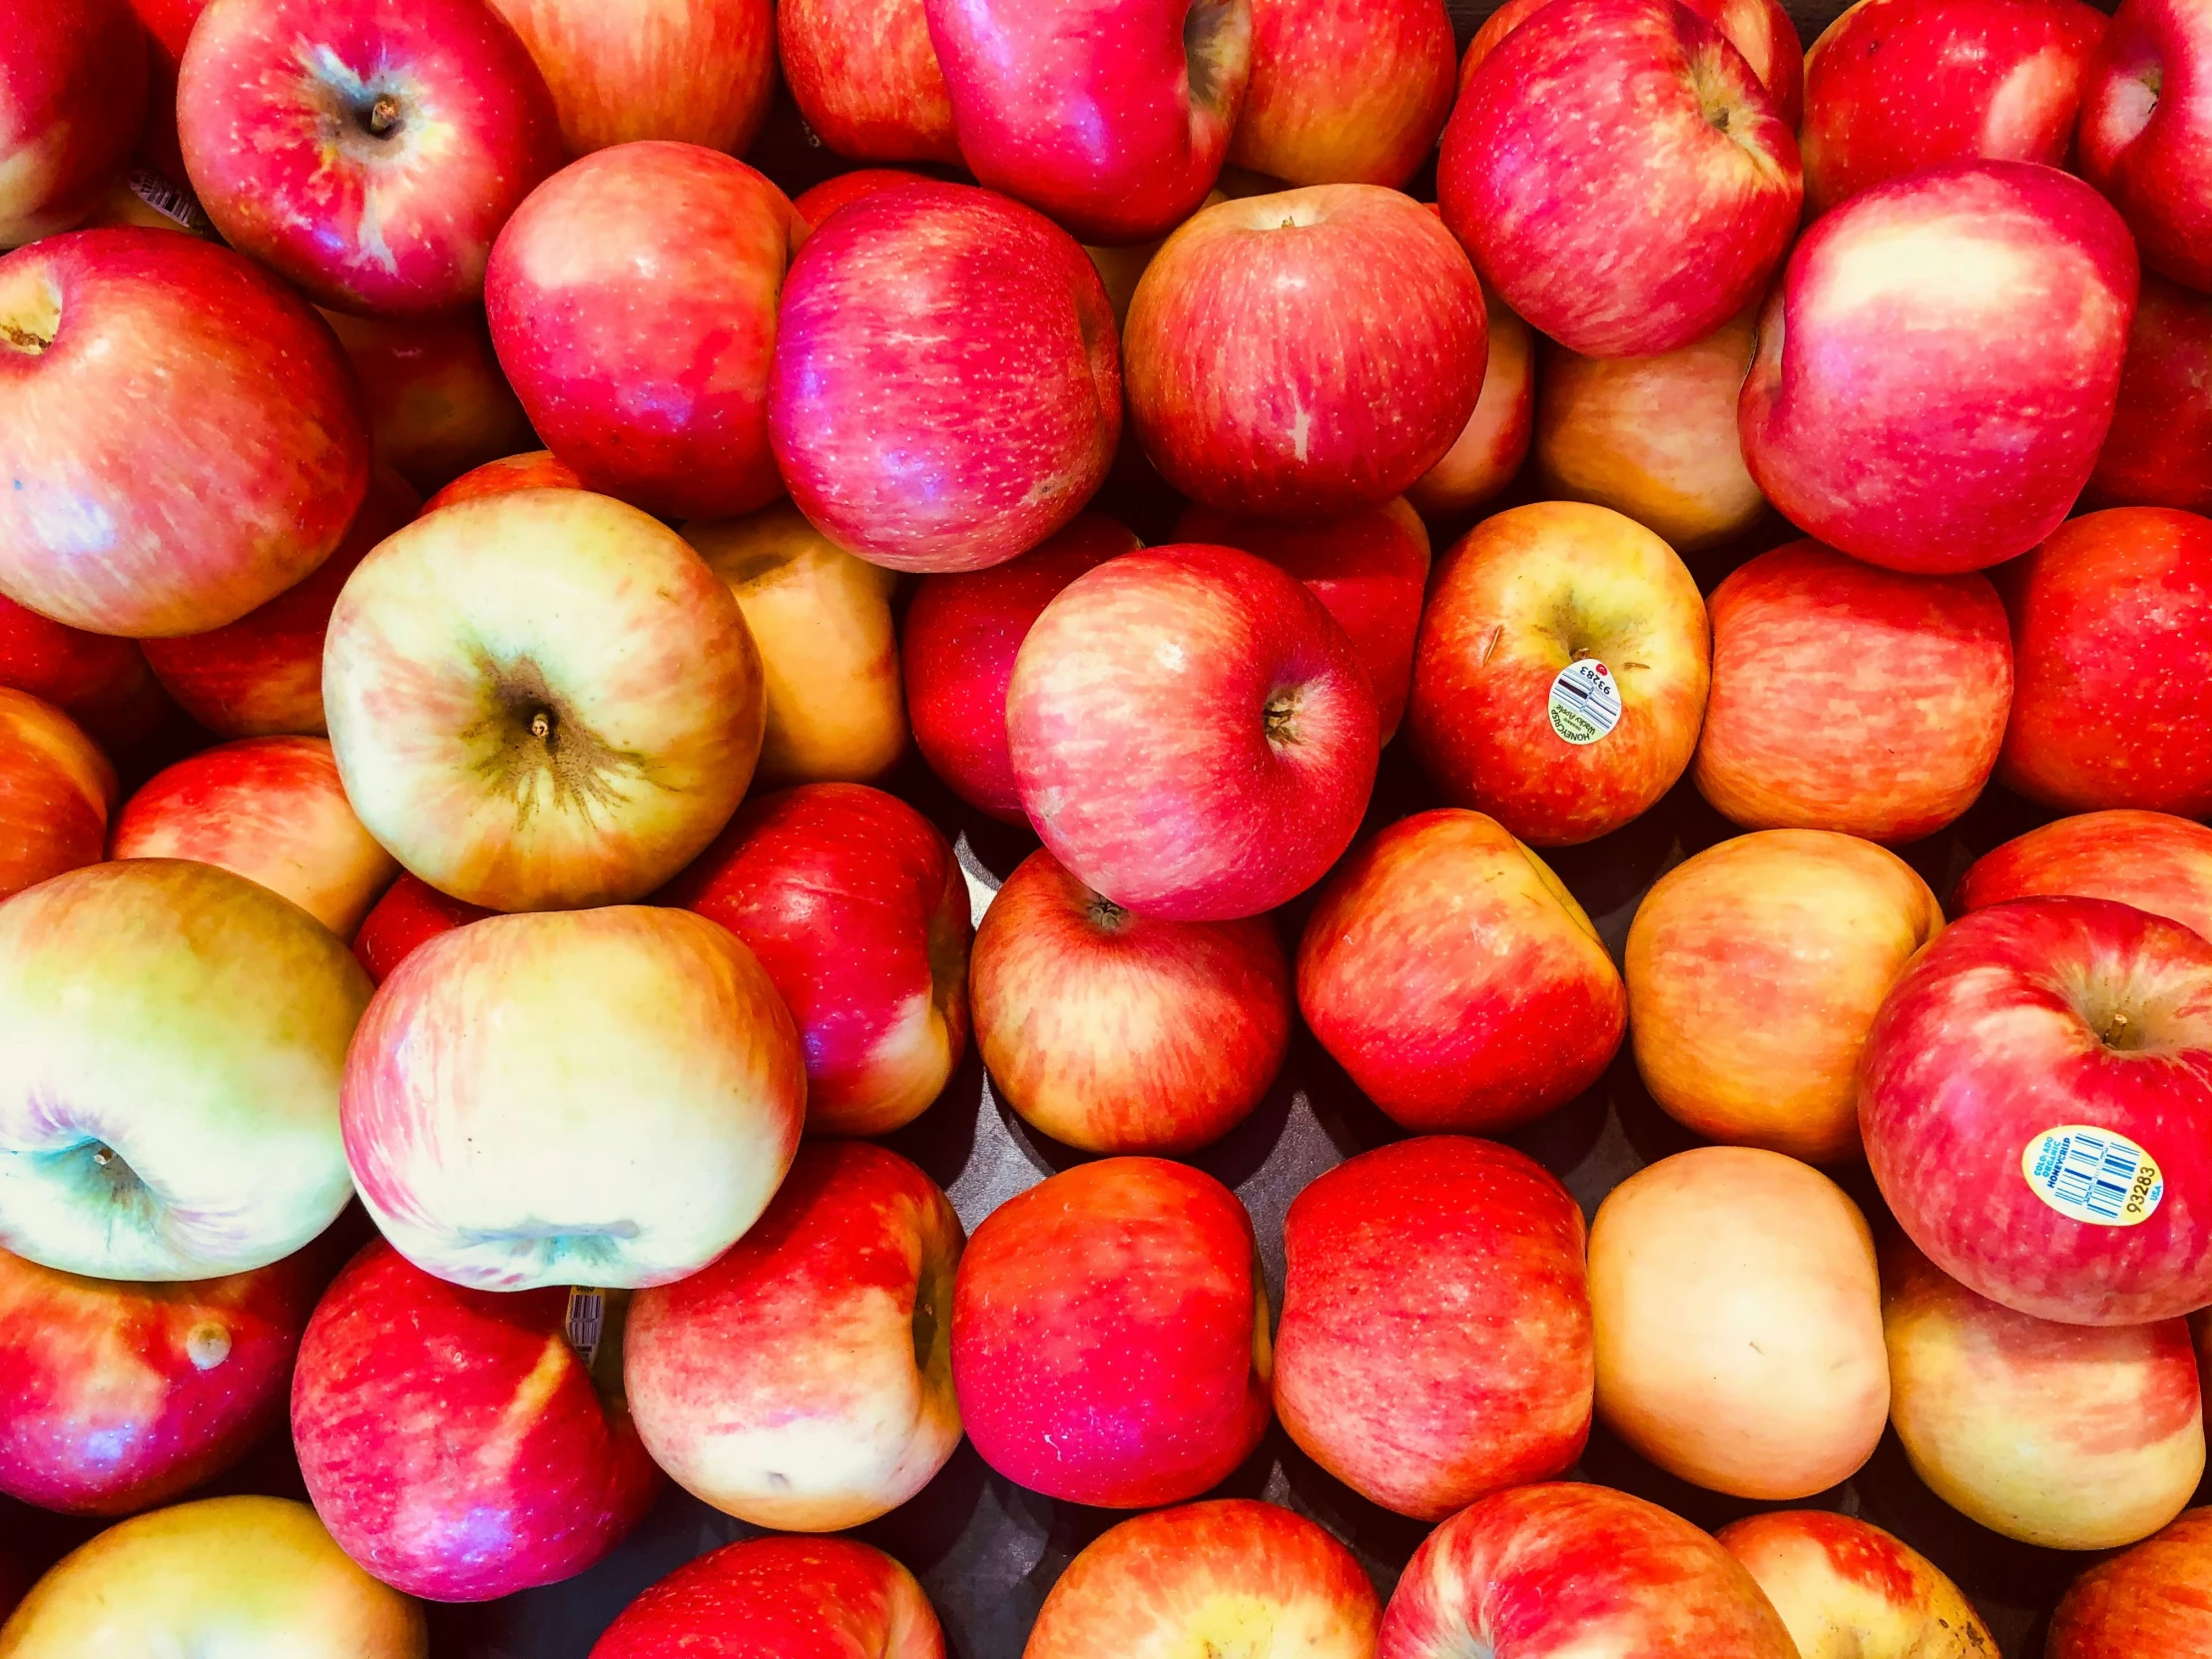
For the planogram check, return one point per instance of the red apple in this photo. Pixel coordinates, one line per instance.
(1761, 30)
(2036, 1101)
(184, 433)
(796, 1598)
(410, 915)
(99, 681)
(73, 96)
(864, 76)
(1192, 732)
(56, 791)
(168, 29)
(1110, 1334)
(947, 388)
(1898, 409)
(2146, 1604)
(438, 402)
(2159, 451)
(818, 203)
(537, 469)
(454, 1441)
(2111, 618)
(2144, 133)
(1491, 446)
(2153, 860)
(1849, 1590)
(1347, 92)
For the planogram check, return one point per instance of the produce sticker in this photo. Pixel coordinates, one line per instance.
(1585, 702)
(2094, 1175)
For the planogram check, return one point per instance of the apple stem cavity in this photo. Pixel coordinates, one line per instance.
(1217, 40)
(1281, 715)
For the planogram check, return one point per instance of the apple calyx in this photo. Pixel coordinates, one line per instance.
(533, 749)
(31, 319)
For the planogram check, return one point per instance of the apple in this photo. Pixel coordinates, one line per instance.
(2105, 616)
(117, 1396)
(2159, 451)
(438, 402)
(1897, 408)
(858, 914)
(1755, 971)
(1120, 1033)
(2153, 860)
(801, 1597)
(1491, 446)
(2145, 1604)
(947, 389)
(234, 1574)
(632, 301)
(56, 791)
(821, 621)
(540, 700)
(2057, 1436)
(961, 633)
(687, 71)
(172, 1037)
(1851, 698)
(818, 202)
(1849, 1590)
(2143, 134)
(184, 433)
(454, 1441)
(1233, 1575)
(101, 682)
(1761, 30)
(73, 77)
(168, 28)
(1349, 91)
(1110, 1334)
(1112, 115)
(410, 915)
(1561, 675)
(1192, 731)
(536, 469)
(2036, 1102)
(804, 1380)
(1565, 1569)
(866, 79)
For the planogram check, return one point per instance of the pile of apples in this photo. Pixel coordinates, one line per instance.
(512, 860)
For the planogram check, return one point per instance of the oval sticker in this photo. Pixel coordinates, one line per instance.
(1585, 702)
(2098, 1176)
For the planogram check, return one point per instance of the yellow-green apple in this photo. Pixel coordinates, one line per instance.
(959, 638)
(1761, 30)
(2108, 617)
(118, 1394)
(1561, 675)
(2054, 1435)
(2153, 860)
(223, 1575)
(2146, 1604)
(535, 469)
(1851, 698)
(56, 791)
(172, 1038)
(542, 699)
(632, 301)
(1423, 1414)
(1491, 446)
(365, 152)
(74, 74)
(101, 682)
(2144, 130)
(866, 78)
(819, 201)
(436, 400)
(1896, 409)
(1192, 732)
(2159, 451)
(1755, 971)
(1568, 1571)
(1112, 115)
(1738, 1312)
(1644, 200)
(461, 1444)
(1110, 1334)
(822, 620)
(2036, 1103)
(804, 1380)
(946, 390)
(1231, 1576)
(604, 1097)
(183, 433)
(1849, 1590)
(1347, 92)
(1308, 353)
(1115, 1032)
(410, 915)
(797, 1598)
(858, 910)
(1654, 437)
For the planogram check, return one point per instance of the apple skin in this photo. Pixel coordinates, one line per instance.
(74, 74)
(1894, 87)
(2143, 132)
(2053, 1435)
(118, 1395)
(536, 469)
(1209, 1578)
(2145, 1604)
(632, 301)
(408, 916)
(1755, 971)
(1566, 1569)
(1616, 214)
(1112, 115)
(2024, 1018)
(1119, 1033)
(438, 402)
(1761, 30)
(2159, 451)
(1517, 599)
(1849, 1590)
(2153, 860)
(858, 910)
(948, 386)
(454, 1441)
(1491, 446)
(56, 791)
(1422, 1414)
(820, 201)
(1851, 698)
(172, 1038)
(1203, 687)
(819, 1344)
(1346, 93)
(188, 445)
(1110, 1334)
(958, 642)
(2108, 616)
(685, 70)
(1896, 408)
(101, 682)
(541, 700)
(780, 1598)
(866, 78)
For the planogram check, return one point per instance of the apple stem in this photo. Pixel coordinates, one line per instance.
(383, 115)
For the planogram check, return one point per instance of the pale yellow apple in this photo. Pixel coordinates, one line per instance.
(1849, 1590)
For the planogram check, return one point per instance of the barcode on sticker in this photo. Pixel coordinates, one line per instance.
(1585, 702)
(587, 1321)
(2093, 1175)
(169, 198)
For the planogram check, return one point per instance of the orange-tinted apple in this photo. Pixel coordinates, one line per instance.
(534, 469)
(2146, 1604)
(56, 791)
(2153, 860)
(865, 74)
(1349, 91)
(1849, 1590)
(691, 71)
(1491, 446)
(438, 402)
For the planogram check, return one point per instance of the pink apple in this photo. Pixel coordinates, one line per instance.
(1350, 92)
(1491, 446)
(56, 791)
(536, 469)
(2144, 133)
(410, 915)
(2159, 451)
(797, 1598)
(2036, 1101)
(1761, 30)
(438, 402)
(2153, 860)
(99, 681)
(864, 76)
(73, 85)
(818, 203)
(2145, 1604)
(1896, 409)
(1192, 731)
(1849, 1590)
(685, 70)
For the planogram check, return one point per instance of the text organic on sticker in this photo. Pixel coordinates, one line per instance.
(1585, 702)
(2093, 1175)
